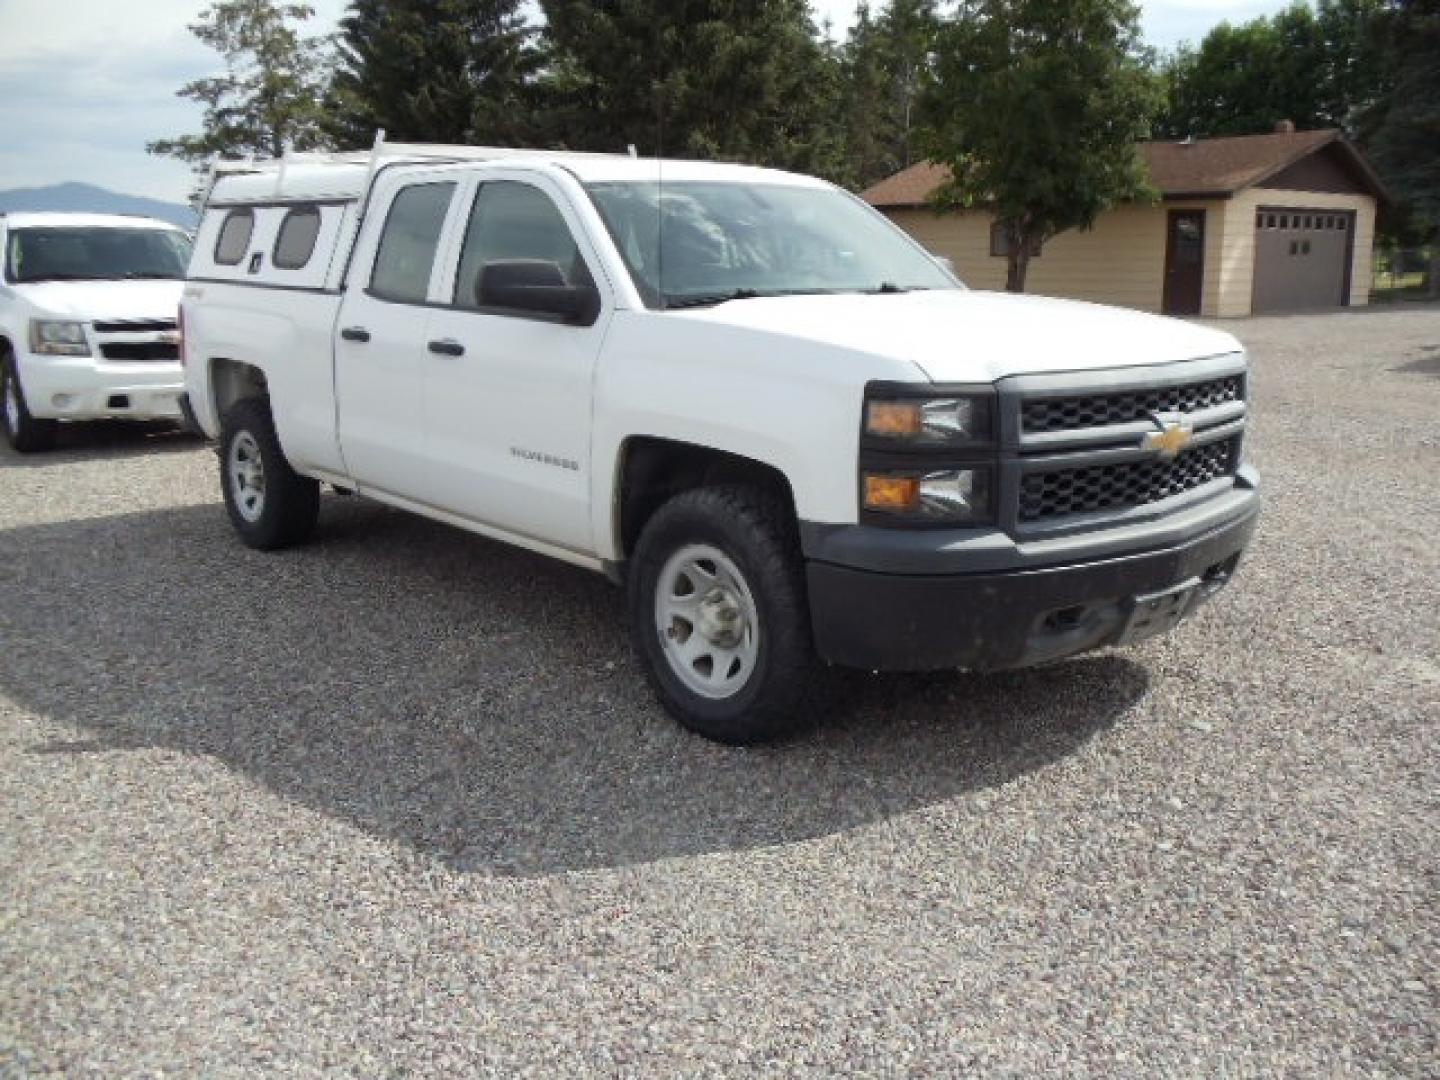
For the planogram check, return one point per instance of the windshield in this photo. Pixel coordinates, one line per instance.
(72, 253)
(714, 242)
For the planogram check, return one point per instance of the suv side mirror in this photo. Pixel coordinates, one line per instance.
(538, 286)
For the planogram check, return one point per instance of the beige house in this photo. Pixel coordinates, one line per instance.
(1260, 223)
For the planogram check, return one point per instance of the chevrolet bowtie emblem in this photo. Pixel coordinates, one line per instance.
(1174, 435)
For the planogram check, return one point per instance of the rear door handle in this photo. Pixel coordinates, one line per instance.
(447, 347)
(355, 333)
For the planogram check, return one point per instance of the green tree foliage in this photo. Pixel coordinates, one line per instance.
(1318, 67)
(1402, 130)
(449, 71)
(886, 60)
(743, 80)
(269, 98)
(1036, 107)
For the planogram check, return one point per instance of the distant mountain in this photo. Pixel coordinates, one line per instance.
(94, 200)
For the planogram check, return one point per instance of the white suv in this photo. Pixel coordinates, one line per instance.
(743, 393)
(87, 321)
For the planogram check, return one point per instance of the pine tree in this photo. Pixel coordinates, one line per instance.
(1402, 130)
(449, 71)
(742, 80)
(887, 59)
(269, 98)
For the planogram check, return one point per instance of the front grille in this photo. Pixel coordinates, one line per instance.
(140, 350)
(135, 326)
(1058, 492)
(1041, 415)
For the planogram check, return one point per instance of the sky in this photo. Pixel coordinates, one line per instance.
(84, 84)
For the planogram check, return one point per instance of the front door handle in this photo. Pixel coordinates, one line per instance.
(355, 333)
(447, 347)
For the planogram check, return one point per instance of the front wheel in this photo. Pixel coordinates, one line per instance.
(719, 614)
(270, 504)
(24, 433)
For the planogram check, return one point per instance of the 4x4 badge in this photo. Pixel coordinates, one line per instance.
(1174, 435)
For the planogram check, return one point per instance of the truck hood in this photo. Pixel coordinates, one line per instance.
(90, 300)
(971, 336)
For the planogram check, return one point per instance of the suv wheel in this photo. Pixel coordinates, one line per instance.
(719, 614)
(23, 431)
(270, 505)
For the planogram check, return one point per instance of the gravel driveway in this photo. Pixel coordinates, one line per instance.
(398, 802)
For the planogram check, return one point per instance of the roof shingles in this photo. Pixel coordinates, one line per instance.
(1201, 167)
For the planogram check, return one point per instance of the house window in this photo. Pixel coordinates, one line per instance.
(1000, 243)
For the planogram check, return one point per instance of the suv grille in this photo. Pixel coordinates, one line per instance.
(135, 326)
(1118, 487)
(1101, 410)
(140, 350)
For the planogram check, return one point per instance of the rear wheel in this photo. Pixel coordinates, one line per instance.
(25, 433)
(719, 614)
(270, 504)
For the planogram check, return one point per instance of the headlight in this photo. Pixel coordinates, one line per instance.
(929, 422)
(952, 496)
(58, 337)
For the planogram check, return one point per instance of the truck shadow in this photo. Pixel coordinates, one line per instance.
(470, 700)
(103, 439)
(1425, 362)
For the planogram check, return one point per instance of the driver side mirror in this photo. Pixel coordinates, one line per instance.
(537, 286)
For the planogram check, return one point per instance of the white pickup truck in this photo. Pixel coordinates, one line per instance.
(743, 393)
(87, 321)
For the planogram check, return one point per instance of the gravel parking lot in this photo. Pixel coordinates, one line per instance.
(398, 801)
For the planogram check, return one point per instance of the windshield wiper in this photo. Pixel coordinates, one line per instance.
(891, 287)
(158, 275)
(706, 299)
(55, 277)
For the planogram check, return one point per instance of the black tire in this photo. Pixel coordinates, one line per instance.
(287, 505)
(755, 532)
(24, 433)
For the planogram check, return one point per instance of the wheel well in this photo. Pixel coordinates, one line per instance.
(232, 381)
(655, 470)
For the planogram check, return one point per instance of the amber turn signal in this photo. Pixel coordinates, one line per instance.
(893, 418)
(892, 493)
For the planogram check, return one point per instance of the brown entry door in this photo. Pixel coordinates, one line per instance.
(1184, 262)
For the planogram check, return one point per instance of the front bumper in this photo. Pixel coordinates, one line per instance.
(87, 388)
(991, 620)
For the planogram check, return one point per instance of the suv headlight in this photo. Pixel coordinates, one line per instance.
(58, 337)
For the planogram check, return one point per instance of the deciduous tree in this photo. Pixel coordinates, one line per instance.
(1320, 68)
(1036, 107)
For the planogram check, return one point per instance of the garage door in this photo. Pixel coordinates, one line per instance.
(1301, 258)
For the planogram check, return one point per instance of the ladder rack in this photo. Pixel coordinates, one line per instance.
(383, 152)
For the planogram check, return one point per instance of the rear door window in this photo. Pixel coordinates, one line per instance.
(406, 257)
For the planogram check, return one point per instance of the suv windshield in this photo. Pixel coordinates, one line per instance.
(76, 253)
(696, 243)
